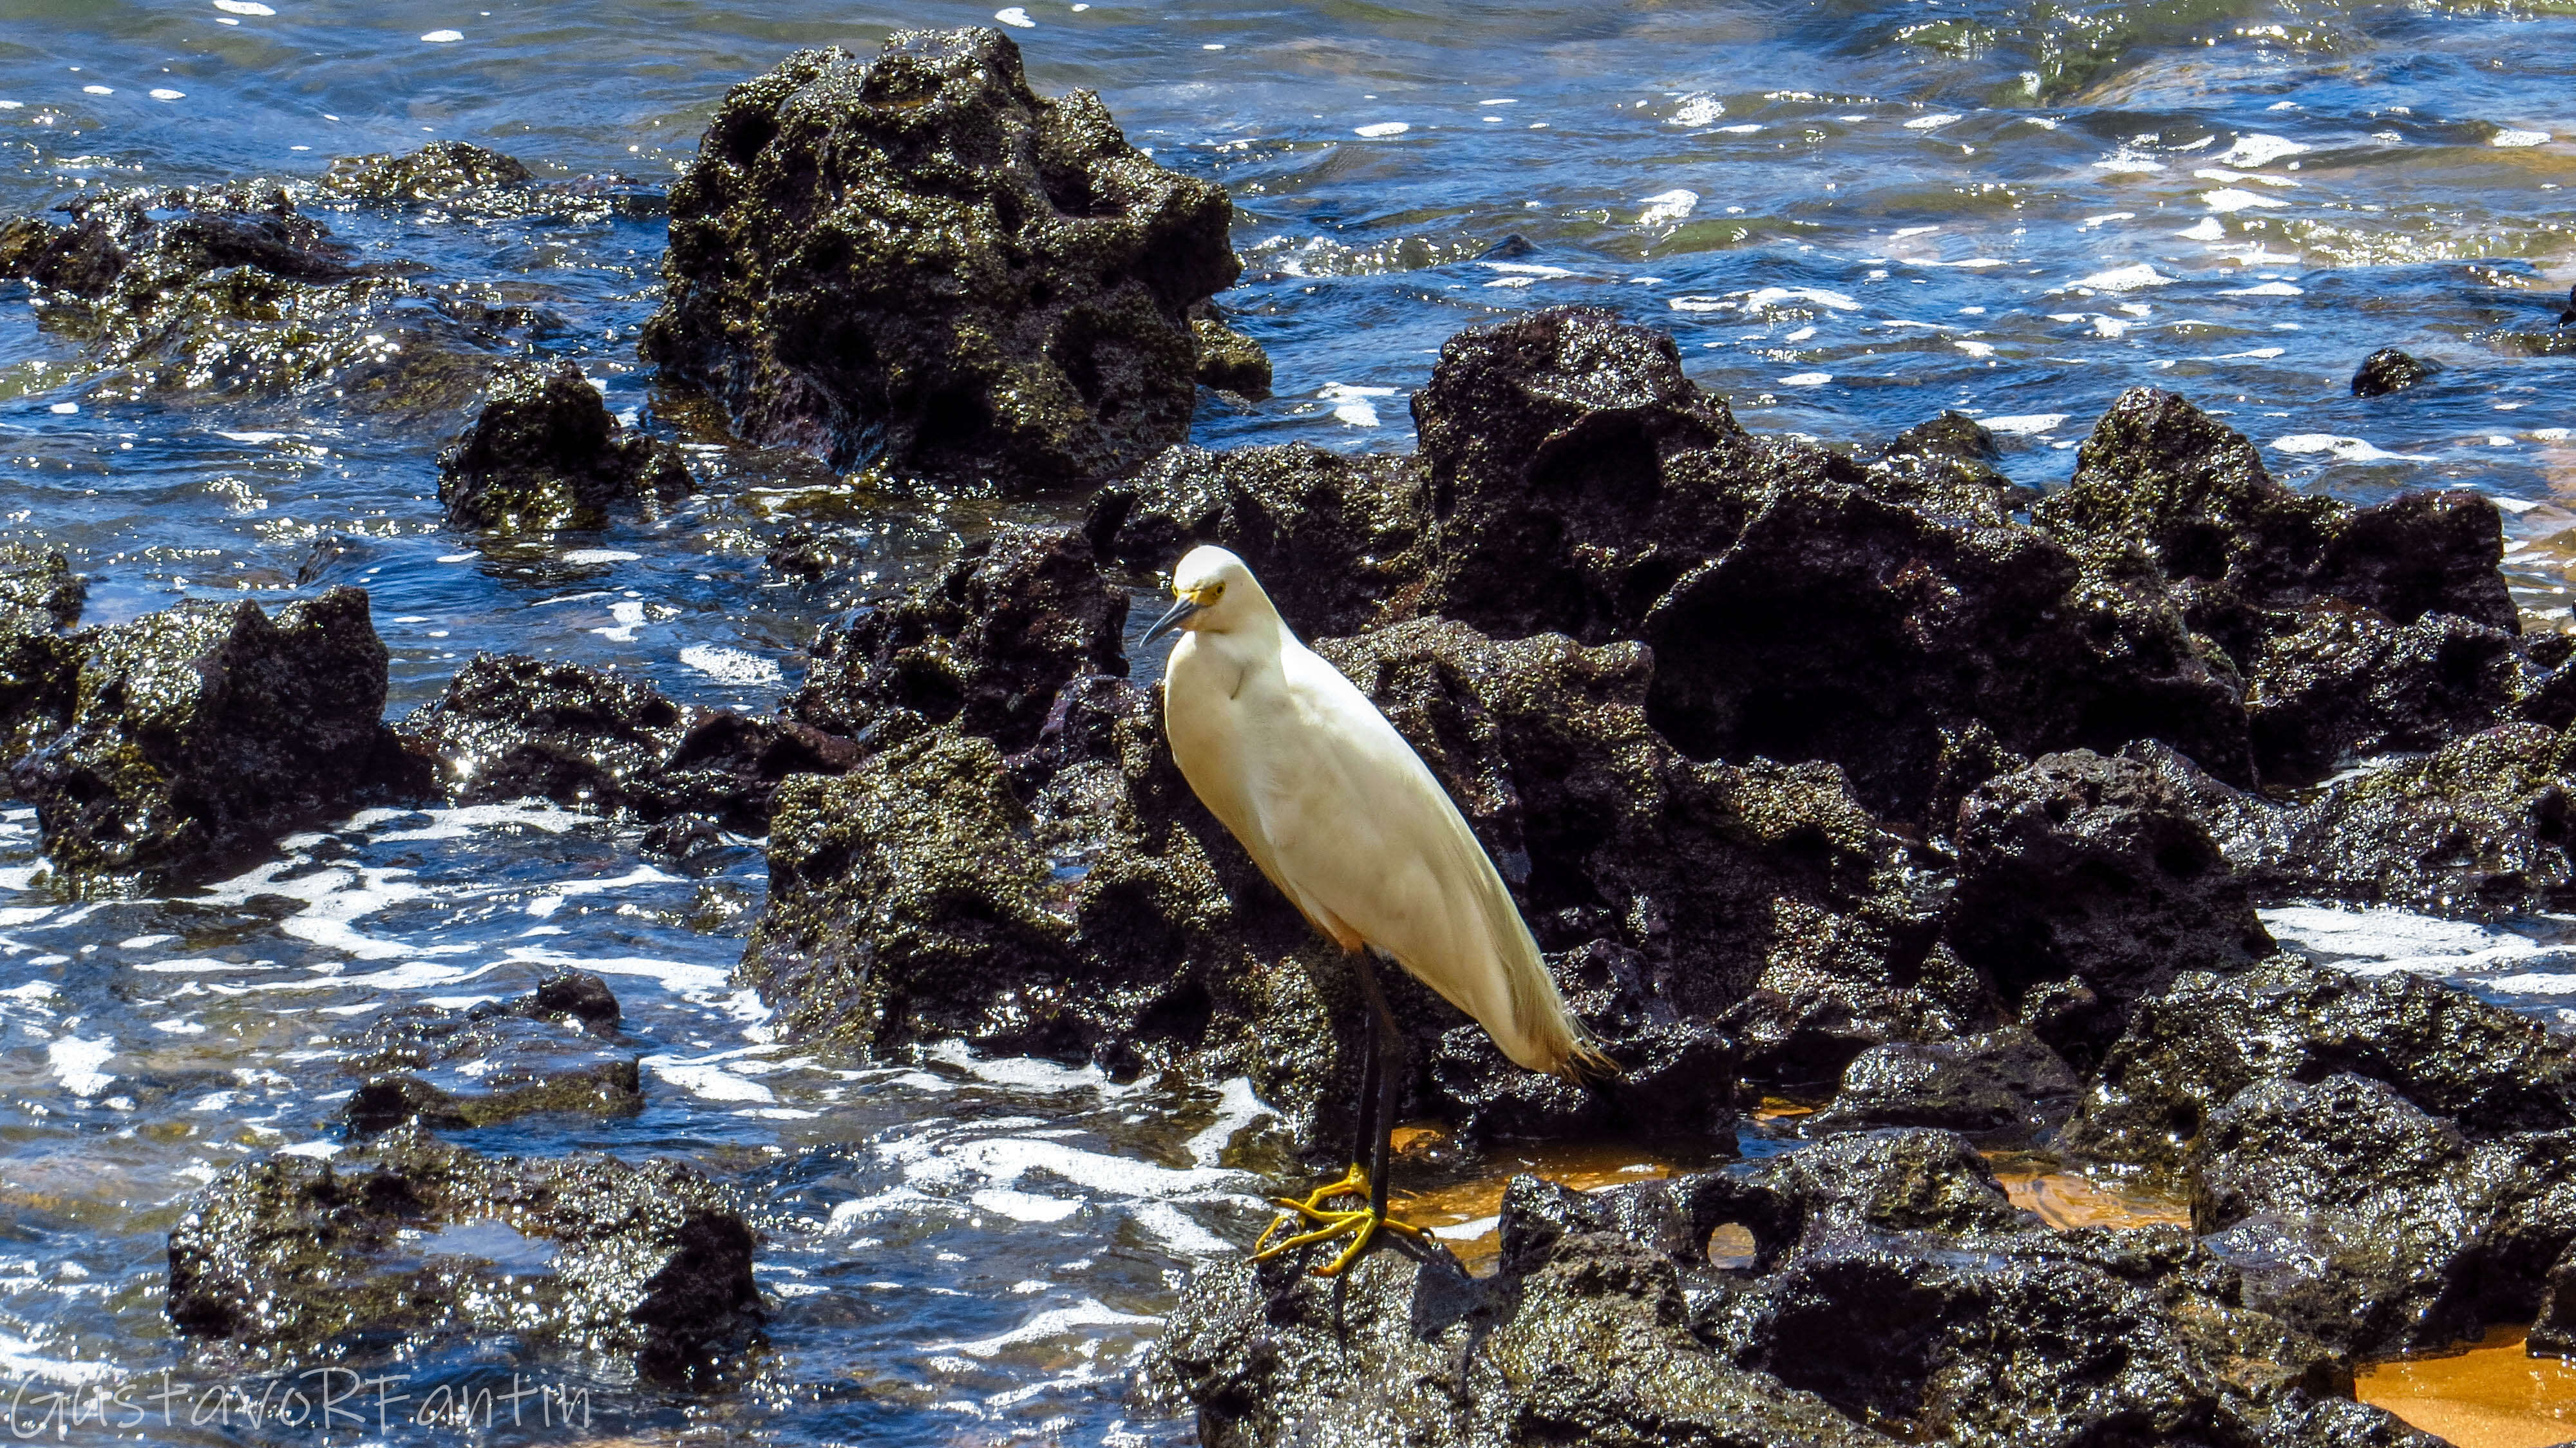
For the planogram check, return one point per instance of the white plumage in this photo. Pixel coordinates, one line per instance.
(1344, 817)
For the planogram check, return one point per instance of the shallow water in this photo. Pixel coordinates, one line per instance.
(1851, 215)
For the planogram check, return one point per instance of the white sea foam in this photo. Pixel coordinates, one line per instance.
(76, 1062)
(1379, 129)
(2260, 150)
(2344, 449)
(2127, 278)
(1048, 1326)
(2513, 139)
(2024, 424)
(1352, 404)
(732, 666)
(2267, 289)
(1768, 298)
(1667, 206)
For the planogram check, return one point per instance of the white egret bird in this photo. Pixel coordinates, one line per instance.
(1347, 821)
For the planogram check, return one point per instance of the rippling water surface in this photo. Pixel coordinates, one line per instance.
(1851, 215)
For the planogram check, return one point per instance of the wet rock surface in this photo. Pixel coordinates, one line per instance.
(2479, 828)
(915, 261)
(2377, 1154)
(285, 1257)
(543, 453)
(199, 735)
(2085, 884)
(510, 726)
(1339, 531)
(1895, 1295)
(2389, 370)
(989, 645)
(40, 600)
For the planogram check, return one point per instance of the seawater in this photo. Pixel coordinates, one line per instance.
(1850, 215)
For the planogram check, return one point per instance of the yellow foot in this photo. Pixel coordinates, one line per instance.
(1360, 1223)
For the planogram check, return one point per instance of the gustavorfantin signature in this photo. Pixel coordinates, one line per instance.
(318, 1399)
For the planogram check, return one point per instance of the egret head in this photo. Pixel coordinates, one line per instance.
(1213, 593)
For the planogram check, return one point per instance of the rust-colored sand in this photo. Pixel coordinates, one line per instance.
(2491, 1396)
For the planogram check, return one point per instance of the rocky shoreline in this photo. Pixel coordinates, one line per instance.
(1879, 783)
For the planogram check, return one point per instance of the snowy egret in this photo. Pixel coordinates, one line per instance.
(1348, 822)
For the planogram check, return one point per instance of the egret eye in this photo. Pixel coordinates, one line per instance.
(1211, 594)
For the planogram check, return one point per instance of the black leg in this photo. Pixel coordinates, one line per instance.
(1364, 1130)
(1386, 1057)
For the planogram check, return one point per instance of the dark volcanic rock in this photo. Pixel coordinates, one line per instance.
(2479, 828)
(916, 261)
(2374, 1225)
(602, 1088)
(2001, 1085)
(1894, 1289)
(510, 726)
(2351, 684)
(1017, 616)
(2085, 884)
(1684, 895)
(1339, 533)
(202, 733)
(1228, 360)
(2384, 1157)
(1574, 473)
(413, 1241)
(2190, 1051)
(2162, 486)
(544, 453)
(2553, 1333)
(2389, 370)
(40, 598)
(1945, 467)
(230, 291)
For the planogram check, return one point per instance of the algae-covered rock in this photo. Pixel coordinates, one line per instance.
(1894, 1295)
(544, 453)
(2351, 684)
(915, 261)
(439, 171)
(2163, 487)
(1333, 537)
(200, 734)
(412, 1242)
(510, 726)
(988, 644)
(1574, 473)
(40, 598)
(1228, 360)
(2085, 884)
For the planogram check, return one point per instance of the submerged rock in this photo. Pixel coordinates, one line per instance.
(1894, 1295)
(544, 453)
(40, 598)
(1021, 613)
(2389, 370)
(1339, 533)
(510, 726)
(496, 1061)
(917, 262)
(414, 1242)
(439, 171)
(231, 291)
(200, 734)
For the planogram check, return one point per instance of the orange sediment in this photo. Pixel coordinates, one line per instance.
(2491, 1396)
(2065, 1200)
